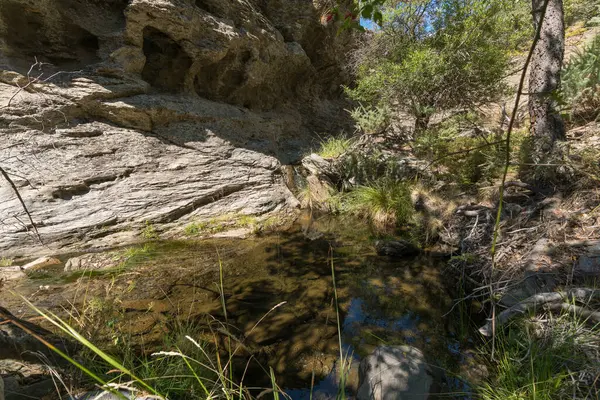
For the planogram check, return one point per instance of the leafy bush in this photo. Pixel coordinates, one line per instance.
(384, 202)
(361, 167)
(433, 56)
(464, 159)
(580, 87)
(579, 10)
(371, 120)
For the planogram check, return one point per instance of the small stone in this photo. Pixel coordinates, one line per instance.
(588, 266)
(73, 264)
(11, 273)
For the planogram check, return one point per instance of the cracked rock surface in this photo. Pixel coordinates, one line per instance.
(119, 112)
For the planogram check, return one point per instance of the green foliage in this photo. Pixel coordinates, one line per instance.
(371, 119)
(349, 15)
(333, 147)
(580, 86)
(464, 159)
(6, 262)
(361, 167)
(385, 202)
(136, 255)
(149, 232)
(168, 371)
(579, 10)
(543, 361)
(220, 224)
(431, 56)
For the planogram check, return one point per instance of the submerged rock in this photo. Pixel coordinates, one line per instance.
(396, 248)
(92, 261)
(394, 373)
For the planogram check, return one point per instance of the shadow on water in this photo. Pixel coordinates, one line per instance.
(382, 301)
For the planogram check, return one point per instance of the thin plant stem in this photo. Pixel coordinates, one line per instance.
(507, 164)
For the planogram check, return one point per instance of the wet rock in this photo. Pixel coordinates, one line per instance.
(93, 261)
(396, 248)
(318, 194)
(391, 373)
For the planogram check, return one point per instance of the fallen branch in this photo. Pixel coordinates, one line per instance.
(552, 300)
(23, 340)
(576, 310)
(16, 190)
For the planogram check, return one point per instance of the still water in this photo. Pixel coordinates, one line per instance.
(279, 302)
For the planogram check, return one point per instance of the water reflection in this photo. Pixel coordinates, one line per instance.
(382, 301)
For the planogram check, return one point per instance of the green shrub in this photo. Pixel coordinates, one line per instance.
(371, 120)
(454, 55)
(385, 202)
(580, 86)
(462, 159)
(579, 10)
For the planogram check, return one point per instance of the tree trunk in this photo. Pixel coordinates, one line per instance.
(547, 125)
(421, 124)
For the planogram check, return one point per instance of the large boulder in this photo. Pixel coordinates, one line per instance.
(156, 110)
(394, 373)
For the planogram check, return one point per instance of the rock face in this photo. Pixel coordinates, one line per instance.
(156, 110)
(394, 373)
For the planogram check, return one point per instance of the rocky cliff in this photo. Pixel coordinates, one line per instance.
(118, 112)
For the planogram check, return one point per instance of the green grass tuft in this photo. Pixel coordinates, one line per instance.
(385, 202)
(6, 262)
(149, 232)
(544, 361)
(334, 147)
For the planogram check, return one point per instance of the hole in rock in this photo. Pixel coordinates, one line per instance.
(167, 63)
(219, 81)
(30, 33)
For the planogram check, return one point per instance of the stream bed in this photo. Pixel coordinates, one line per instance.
(279, 303)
